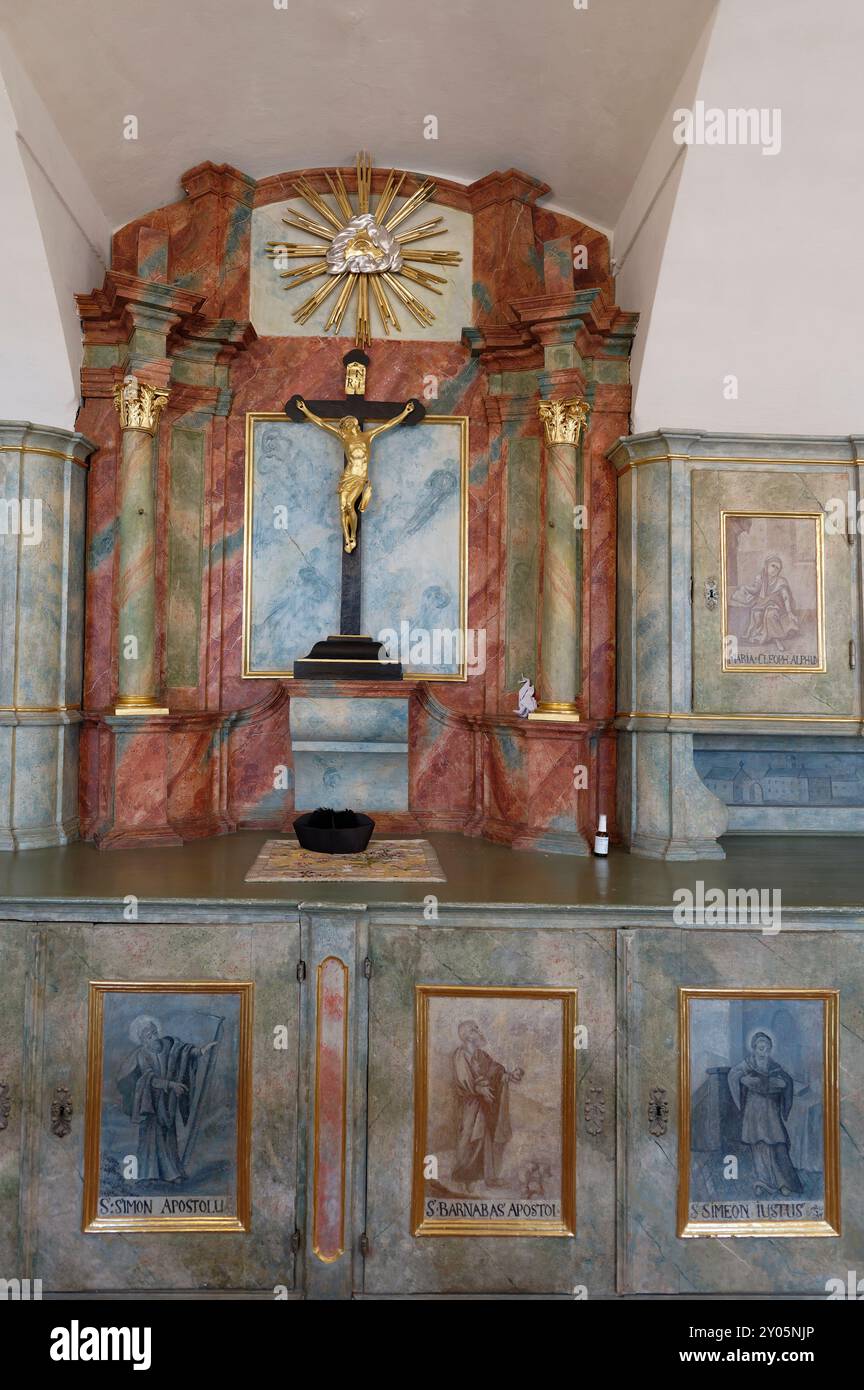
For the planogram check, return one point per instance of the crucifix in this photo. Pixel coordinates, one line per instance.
(349, 655)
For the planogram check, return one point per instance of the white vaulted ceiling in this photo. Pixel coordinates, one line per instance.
(572, 96)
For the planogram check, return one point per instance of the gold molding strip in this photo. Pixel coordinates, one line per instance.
(788, 718)
(49, 453)
(556, 713)
(743, 458)
(139, 711)
(139, 705)
(38, 709)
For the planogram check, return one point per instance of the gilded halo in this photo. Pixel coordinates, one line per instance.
(361, 251)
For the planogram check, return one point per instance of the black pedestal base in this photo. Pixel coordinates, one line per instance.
(334, 832)
(345, 658)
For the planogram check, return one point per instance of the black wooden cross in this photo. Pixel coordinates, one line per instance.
(349, 655)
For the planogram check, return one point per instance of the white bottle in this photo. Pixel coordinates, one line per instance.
(601, 839)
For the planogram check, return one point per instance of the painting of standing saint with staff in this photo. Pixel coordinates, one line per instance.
(168, 1107)
(495, 1091)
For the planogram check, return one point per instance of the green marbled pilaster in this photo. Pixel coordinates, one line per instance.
(138, 677)
(523, 559)
(562, 563)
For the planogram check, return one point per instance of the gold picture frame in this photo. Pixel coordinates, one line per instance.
(771, 667)
(108, 1212)
(250, 673)
(561, 1224)
(742, 1221)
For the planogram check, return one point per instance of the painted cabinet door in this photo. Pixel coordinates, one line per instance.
(653, 967)
(496, 1131)
(72, 956)
(774, 586)
(15, 960)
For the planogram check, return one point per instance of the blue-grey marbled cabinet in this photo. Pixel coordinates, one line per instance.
(630, 1049)
(43, 474)
(653, 965)
(702, 750)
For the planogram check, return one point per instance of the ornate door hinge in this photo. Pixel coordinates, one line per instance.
(364, 1245)
(61, 1112)
(301, 971)
(595, 1110)
(367, 968)
(658, 1111)
(296, 1239)
(5, 1104)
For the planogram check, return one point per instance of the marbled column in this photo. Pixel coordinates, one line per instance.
(559, 648)
(43, 474)
(139, 407)
(560, 655)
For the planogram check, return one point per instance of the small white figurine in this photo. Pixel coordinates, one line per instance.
(527, 702)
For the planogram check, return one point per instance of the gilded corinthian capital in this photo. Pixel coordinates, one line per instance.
(139, 405)
(563, 420)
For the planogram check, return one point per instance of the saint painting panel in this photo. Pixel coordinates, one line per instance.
(494, 1111)
(168, 1107)
(758, 1138)
(772, 579)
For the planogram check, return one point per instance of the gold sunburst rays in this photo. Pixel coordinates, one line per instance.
(361, 258)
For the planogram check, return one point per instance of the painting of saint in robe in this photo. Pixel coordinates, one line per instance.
(495, 1091)
(156, 1083)
(168, 1114)
(759, 1112)
(482, 1088)
(763, 1092)
(772, 616)
(772, 591)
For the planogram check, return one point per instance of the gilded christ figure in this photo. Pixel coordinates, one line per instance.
(483, 1096)
(155, 1085)
(763, 1092)
(354, 487)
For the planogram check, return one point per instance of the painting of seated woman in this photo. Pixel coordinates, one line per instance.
(772, 591)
